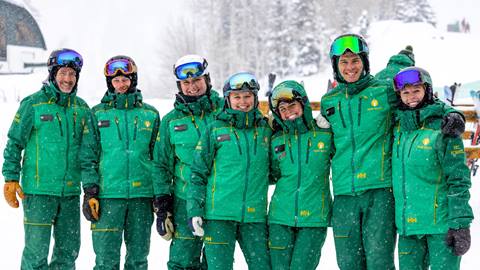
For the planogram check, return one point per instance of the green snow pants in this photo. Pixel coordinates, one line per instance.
(220, 237)
(41, 212)
(364, 230)
(131, 218)
(295, 248)
(418, 252)
(185, 249)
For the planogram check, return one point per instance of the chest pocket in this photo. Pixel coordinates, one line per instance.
(370, 110)
(109, 127)
(422, 151)
(50, 124)
(142, 129)
(184, 138)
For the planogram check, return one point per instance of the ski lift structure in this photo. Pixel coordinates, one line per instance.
(22, 46)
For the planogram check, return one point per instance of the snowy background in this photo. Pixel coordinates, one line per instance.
(99, 30)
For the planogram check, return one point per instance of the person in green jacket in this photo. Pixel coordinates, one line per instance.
(300, 208)
(117, 169)
(431, 180)
(195, 106)
(360, 110)
(49, 128)
(229, 179)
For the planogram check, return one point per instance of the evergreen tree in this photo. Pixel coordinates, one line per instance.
(307, 54)
(363, 23)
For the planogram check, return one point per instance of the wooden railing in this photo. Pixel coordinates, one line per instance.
(470, 116)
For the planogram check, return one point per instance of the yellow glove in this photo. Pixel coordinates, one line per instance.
(10, 191)
(94, 207)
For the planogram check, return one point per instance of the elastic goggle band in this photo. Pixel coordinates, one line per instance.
(123, 66)
(190, 70)
(352, 43)
(68, 58)
(407, 77)
(242, 81)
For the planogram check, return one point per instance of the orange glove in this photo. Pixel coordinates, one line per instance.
(10, 191)
(94, 207)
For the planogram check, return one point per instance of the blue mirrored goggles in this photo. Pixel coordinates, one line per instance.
(69, 58)
(349, 42)
(190, 70)
(123, 66)
(242, 81)
(407, 77)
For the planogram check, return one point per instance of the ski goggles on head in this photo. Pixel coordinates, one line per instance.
(407, 77)
(123, 66)
(69, 58)
(242, 81)
(190, 70)
(348, 42)
(282, 95)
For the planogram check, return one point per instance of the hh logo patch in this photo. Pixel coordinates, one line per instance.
(180, 127)
(46, 117)
(279, 148)
(330, 111)
(147, 123)
(103, 123)
(223, 137)
(412, 220)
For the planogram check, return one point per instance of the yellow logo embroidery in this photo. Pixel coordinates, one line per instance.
(412, 220)
(199, 146)
(147, 123)
(251, 209)
(426, 141)
(70, 183)
(136, 184)
(362, 175)
(17, 118)
(207, 238)
(321, 145)
(304, 213)
(374, 103)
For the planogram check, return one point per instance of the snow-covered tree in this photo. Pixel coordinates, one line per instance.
(307, 53)
(363, 23)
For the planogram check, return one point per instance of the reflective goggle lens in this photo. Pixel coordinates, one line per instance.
(352, 43)
(69, 57)
(406, 77)
(243, 81)
(281, 94)
(192, 70)
(119, 65)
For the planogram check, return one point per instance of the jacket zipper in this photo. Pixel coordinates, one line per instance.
(341, 114)
(118, 128)
(247, 170)
(60, 124)
(290, 149)
(299, 178)
(128, 153)
(411, 144)
(238, 142)
(74, 124)
(135, 123)
(359, 110)
(66, 153)
(353, 145)
(404, 193)
(255, 135)
(309, 144)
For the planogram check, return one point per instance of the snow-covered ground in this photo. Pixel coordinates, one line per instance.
(450, 57)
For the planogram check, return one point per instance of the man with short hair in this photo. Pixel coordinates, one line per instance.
(48, 128)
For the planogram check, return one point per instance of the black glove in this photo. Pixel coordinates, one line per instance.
(453, 124)
(459, 240)
(408, 51)
(163, 208)
(91, 206)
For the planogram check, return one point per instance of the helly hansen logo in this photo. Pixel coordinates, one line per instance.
(362, 175)
(103, 123)
(223, 137)
(180, 127)
(412, 220)
(46, 117)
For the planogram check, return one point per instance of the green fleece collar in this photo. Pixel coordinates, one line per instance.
(239, 119)
(123, 101)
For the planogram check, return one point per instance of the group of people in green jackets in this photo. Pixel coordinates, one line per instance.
(391, 150)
